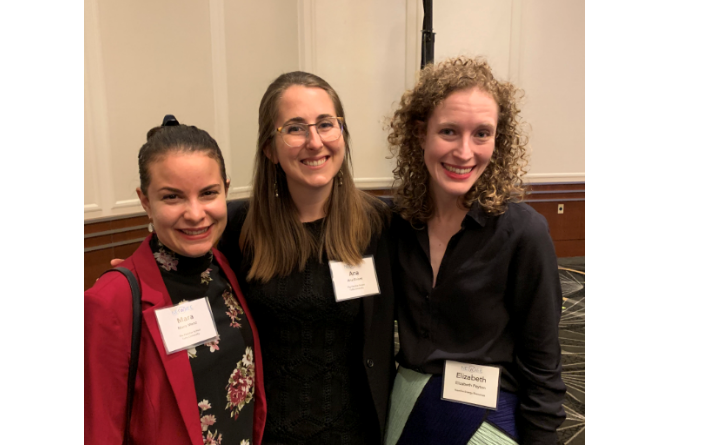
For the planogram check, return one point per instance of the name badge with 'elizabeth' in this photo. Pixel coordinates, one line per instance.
(471, 384)
(355, 281)
(186, 325)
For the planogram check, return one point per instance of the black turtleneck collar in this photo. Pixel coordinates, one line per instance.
(171, 262)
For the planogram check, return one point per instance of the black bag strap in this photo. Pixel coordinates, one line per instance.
(135, 343)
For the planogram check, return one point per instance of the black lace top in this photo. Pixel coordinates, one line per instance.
(315, 384)
(223, 370)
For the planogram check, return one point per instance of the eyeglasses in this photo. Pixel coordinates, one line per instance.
(296, 134)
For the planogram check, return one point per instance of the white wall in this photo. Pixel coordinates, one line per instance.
(552, 73)
(260, 44)
(540, 46)
(360, 48)
(209, 62)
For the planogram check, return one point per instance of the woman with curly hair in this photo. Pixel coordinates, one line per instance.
(475, 272)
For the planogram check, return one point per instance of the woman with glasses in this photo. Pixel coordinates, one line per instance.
(314, 267)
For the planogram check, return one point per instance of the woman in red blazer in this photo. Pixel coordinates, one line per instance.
(209, 393)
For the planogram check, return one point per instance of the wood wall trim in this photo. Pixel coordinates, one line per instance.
(119, 236)
(567, 230)
(113, 231)
(556, 186)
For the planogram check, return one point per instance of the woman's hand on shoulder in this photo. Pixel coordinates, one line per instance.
(114, 263)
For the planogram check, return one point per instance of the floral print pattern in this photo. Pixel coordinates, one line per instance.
(211, 439)
(213, 345)
(166, 259)
(204, 405)
(241, 384)
(234, 312)
(207, 420)
(234, 309)
(206, 276)
(190, 278)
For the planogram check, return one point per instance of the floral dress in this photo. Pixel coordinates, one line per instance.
(224, 369)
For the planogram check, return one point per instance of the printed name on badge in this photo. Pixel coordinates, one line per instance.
(186, 325)
(354, 281)
(471, 384)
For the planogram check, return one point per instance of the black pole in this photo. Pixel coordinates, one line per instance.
(427, 36)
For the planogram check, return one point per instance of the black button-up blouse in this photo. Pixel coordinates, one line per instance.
(497, 301)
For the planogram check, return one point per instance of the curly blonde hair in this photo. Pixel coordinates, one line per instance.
(500, 183)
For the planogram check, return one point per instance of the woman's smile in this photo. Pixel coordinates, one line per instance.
(456, 172)
(196, 233)
(315, 162)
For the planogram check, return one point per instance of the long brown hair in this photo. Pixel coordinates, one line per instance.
(273, 236)
(501, 182)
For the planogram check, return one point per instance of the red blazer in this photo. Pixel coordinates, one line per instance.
(165, 409)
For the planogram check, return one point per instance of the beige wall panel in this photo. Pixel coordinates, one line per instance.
(552, 73)
(261, 44)
(97, 177)
(157, 60)
(91, 192)
(474, 28)
(360, 50)
(539, 45)
(209, 62)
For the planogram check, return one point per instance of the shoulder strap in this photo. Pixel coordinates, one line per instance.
(135, 343)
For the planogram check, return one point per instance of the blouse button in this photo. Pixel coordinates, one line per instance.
(370, 363)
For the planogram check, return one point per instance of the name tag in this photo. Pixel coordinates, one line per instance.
(354, 281)
(471, 384)
(186, 325)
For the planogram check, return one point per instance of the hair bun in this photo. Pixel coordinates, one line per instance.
(169, 121)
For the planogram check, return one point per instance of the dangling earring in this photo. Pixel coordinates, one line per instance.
(151, 227)
(339, 178)
(275, 186)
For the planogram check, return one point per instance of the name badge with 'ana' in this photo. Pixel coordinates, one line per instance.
(471, 384)
(355, 281)
(186, 325)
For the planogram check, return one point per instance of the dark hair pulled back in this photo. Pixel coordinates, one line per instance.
(173, 137)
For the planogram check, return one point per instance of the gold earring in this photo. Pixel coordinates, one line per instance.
(275, 186)
(339, 178)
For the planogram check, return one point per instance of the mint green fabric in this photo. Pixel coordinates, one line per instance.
(407, 386)
(488, 434)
